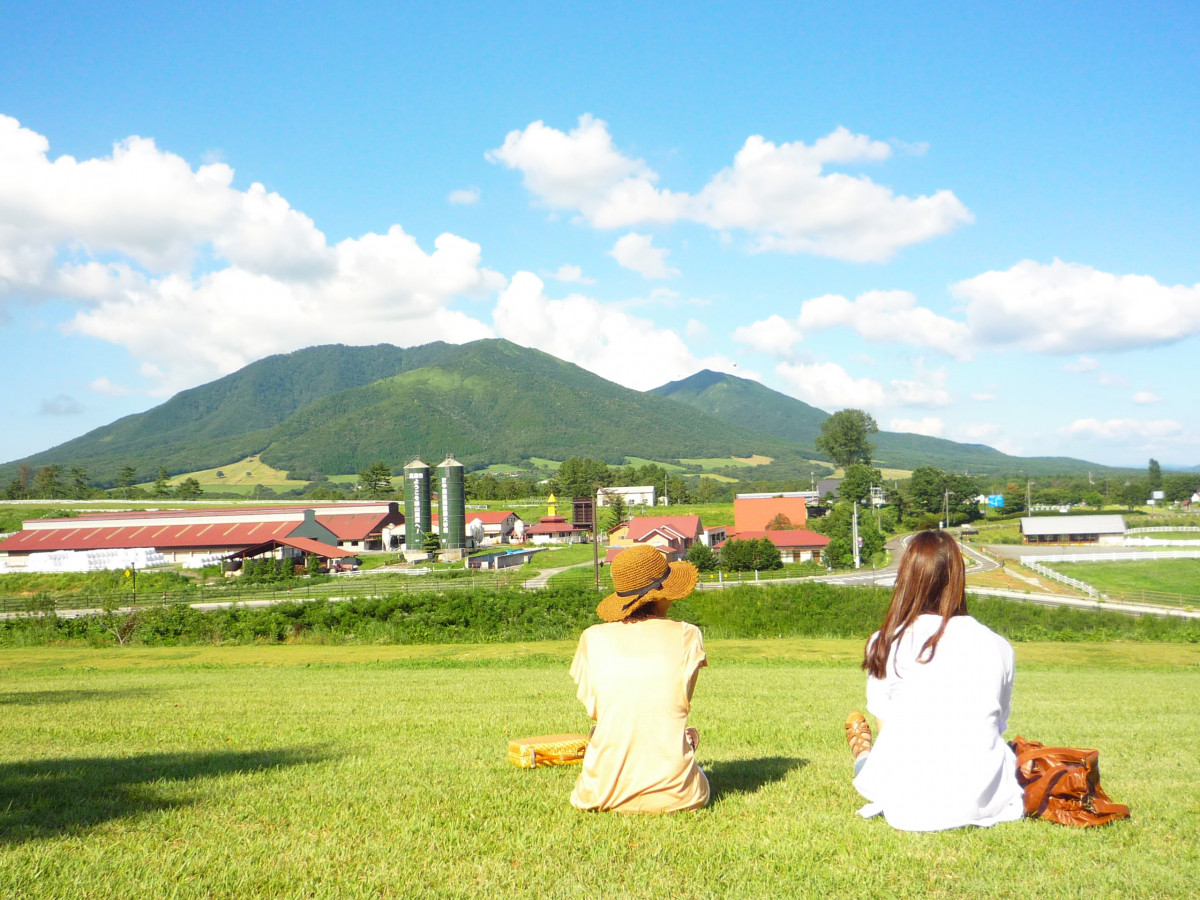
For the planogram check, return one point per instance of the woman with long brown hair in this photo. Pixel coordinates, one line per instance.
(939, 684)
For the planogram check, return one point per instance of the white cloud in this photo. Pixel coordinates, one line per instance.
(464, 196)
(571, 275)
(1146, 397)
(106, 388)
(878, 316)
(637, 252)
(829, 386)
(774, 336)
(780, 195)
(926, 387)
(1083, 364)
(196, 278)
(601, 338)
(931, 426)
(1124, 430)
(887, 317)
(583, 171)
(1070, 308)
(983, 397)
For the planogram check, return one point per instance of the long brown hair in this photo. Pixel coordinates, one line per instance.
(932, 579)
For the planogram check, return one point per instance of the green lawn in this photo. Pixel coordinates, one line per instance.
(1133, 578)
(317, 771)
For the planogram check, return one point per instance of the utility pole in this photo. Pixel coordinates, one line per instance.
(595, 542)
(854, 538)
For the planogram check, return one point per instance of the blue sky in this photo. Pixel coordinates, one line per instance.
(977, 221)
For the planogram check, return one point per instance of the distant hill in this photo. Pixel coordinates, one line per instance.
(749, 404)
(335, 409)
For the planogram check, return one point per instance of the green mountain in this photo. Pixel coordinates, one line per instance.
(749, 404)
(336, 409)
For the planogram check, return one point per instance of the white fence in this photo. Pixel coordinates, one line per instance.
(1149, 529)
(1032, 563)
(1159, 542)
(1114, 557)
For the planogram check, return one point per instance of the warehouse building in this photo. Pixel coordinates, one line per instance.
(199, 537)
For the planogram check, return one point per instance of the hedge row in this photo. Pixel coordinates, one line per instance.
(792, 610)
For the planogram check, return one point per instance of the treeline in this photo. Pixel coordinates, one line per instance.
(792, 610)
(53, 482)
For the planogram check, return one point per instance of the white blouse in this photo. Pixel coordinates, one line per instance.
(940, 760)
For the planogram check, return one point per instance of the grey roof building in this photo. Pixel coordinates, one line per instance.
(1073, 529)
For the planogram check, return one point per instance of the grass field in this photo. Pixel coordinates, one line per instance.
(1133, 578)
(729, 462)
(244, 474)
(318, 771)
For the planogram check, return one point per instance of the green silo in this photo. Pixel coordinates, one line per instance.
(452, 505)
(418, 519)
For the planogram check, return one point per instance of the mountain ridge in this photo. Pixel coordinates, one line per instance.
(334, 409)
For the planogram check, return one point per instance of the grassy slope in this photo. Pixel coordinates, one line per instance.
(379, 772)
(1179, 576)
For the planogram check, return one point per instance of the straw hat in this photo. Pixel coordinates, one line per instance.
(642, 575)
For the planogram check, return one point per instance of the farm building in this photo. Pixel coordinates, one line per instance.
(795, 546)
(556, 530)
(501, 559)
(196, 537)
(642, 495)
(755, 512)
(1073, 529)
(673, 535)
(495, 527)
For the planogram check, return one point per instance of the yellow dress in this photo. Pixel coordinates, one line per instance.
(635, 680)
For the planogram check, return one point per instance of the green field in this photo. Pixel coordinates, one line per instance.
(729, 462)
(331, 772)
(1137, 577)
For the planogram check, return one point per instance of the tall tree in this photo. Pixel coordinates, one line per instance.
(376, 480)
(1154, 475)
(617, 510)
(48, 482)
(856, 485)
(844, 436)
(79, 483)
(161, 487)
(189, 489)
(580, 477)
(126, 477)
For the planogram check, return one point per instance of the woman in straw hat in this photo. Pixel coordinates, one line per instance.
(939, 684)
(635, 675)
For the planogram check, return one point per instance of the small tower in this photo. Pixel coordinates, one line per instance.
(452, 508)
(418, 516)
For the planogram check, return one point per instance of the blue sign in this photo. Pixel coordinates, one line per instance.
(996, 500)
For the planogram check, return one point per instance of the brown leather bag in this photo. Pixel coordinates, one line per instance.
(1062, 784)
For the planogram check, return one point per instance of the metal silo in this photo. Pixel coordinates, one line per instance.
(452, 505)
(418, 519)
